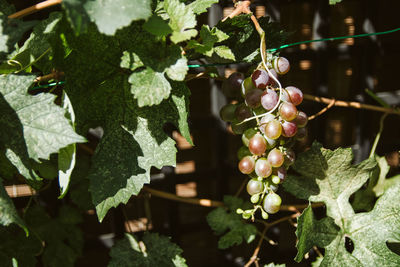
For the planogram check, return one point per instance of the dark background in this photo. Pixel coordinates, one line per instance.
(340, 69)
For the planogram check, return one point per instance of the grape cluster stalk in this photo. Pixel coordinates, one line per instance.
(269, 121)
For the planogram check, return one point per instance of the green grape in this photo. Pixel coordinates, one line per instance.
(243, 152)
(254, 186)
(264, 215)
(255, 198)
(272, 203)
(227, 112)
(247, 86)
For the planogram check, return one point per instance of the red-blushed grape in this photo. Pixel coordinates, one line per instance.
(290, 157)
(257, 144)
(249, 133)
(301, 134)
(246, 165)
(269, 99)
(295, 94)
(243, 152)
(260, 78)
(264, 120)
(273, 129)
(281, 173)
(287, 111)
(272, 203)
(275, 158)
(247, 86)
(301, 119)
(231, 86)
(289, 129)
(242, 112)
(227, 112)
(271, 81)
(281, 65)
(263, 168)
(254, 186)
(253, 98)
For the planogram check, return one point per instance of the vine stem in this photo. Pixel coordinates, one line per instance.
(56, 75)
(35, 8)
(322, 111)
(350, 104)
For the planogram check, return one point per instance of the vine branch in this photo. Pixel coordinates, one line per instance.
(35, 8)
(350, 104)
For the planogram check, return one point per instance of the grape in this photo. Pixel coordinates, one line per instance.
(275, 157)
(281, 173)
(242, 112)
(281, 65)
(249, 133)
(301, 119)
(257, 144)
(227, 112)
(272, 203)
(253, 98)
(263, 168)
(287, 111)
(247, 86)
(255, 198)
(271, 142)
(289, 129)
(243, 152)
(254, 186)
(285, 96)
(269, 99)
(238, 128)
(301, 134)
(290, 156)
(260, 110)
(246, 165)
(295, 94)
(275, 179)
(231, 86)
(264, 120)
(260, 78)
(273, 129)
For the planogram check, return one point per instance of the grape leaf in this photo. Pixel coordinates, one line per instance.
(8, 213)
(328, 176)
(334, 2)
(149, 87)
(13, 252)
(157, 26)
(62, 238)
(230, 225)
(36, 126)
(182, 20)
(200, 6)
(66, 155)
(108, 15)
(155, 250)
(11, 30)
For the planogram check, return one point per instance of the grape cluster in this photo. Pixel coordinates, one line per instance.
(270, 123)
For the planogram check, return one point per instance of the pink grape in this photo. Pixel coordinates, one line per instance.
(260, 78)
(257, 144)
(269, 99)
(281, 65)
(288, 111)
(254, 186)
(301, 119)
(275, 157)
(264, 120)
(289, 129)
(263, 168)
(246, 165)
(273, 129)
(249, 133)
(295, 94)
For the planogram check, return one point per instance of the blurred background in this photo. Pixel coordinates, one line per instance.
(341, 69)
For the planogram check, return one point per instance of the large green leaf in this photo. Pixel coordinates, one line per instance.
(8, 213)
(155, 250)
(200, 6)
(230, 225)
(34, 126)
(182, 20)
(334, 2)
(328, 176)
(108, 15)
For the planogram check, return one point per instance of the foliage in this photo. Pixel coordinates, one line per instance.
(328, 176)
(230, 225)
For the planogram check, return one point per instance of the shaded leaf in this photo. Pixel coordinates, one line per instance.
(157, 26)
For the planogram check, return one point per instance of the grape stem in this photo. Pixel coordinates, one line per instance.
(34, 8)
(322, 111)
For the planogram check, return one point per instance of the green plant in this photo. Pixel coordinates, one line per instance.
(126, 73)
